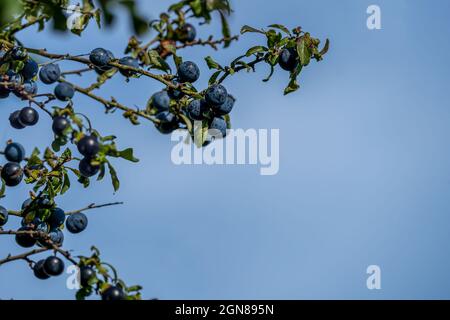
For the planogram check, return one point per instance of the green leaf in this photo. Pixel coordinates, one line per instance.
(114, 178)
(293, 84)
(325, 48)
(214, 77)
(303, 51)
(273, 38)
(157, 62)
(2, 189)
(187, 121)
(197, 7)
(66, 183)
(227, 119)
(225, 30)
(292, 87)
(255, 49)
(200, 133)
(127, 154)
(98, 19)
(280, 27)
(65, 157)
(134, 288)
(247, 28)
(101, 175)
(212, 64)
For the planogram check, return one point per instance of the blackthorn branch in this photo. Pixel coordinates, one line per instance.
(177, 105)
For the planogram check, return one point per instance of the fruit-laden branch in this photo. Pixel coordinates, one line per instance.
(164, 79)
(89, 207)
(109, 104)
(26, 96)
(49, 245)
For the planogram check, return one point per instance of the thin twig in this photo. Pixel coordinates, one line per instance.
(209, 42)
(109, 104)
(76, 72)
(23, 256)
(94, 206)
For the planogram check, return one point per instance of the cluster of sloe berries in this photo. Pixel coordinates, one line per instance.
(101, 59)
(216, 103)
(89, 147)
(42, 220)
(12, 172)
(24, 83)
(20, 83)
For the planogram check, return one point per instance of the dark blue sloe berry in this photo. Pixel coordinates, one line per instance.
(86, 274)
(175, 94)
(4, 92)
(196, 108)
(216, 95)
(105, 68)
(25, 240)
(41, 226)
(130, 62)
(29, 88)
(3, 216)
(165, 117)
(49, 73)
(64, 91)
(188, 71)
(113, 293)
(28, 116)
(187, 33)
(14, 120)
(167, 127)
(45, 202)
(220, 125)
(288, 59)
(87, 169)
(30, 69)
(12, 173)
(53, 266)
(100, 57)
(14, 152)
(57, 218)
(59, 125)
(26, 203)
(224, 108)
(88, 146)
(56, 236)
(38, 270)
(76, 222)
(161, 101)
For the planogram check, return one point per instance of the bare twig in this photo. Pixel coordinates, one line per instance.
(23, 256)
(109, 104)
(94, 206)
(78, 72)
(209, 42)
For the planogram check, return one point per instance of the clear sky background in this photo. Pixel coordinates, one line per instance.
(364, 168)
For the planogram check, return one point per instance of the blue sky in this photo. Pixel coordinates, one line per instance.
(364, 168)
